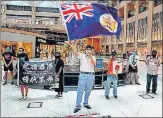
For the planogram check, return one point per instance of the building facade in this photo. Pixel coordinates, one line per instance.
(141, 27)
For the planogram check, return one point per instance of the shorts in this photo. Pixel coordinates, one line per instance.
(21, 82)
(10, 68)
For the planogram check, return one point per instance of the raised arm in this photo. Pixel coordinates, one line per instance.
(93, 59)
(73, 48)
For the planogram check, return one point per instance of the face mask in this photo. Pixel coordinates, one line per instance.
(20, 52)
(154, 55)
(112, 55)
(7, 49)
(87, 52)
(57, 57)
(134, 53)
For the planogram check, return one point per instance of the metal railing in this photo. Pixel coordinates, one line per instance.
(20, 31)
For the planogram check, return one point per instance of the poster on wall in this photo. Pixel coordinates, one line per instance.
(99, 63)
(41, 73)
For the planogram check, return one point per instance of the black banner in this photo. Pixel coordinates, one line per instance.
(34, 73)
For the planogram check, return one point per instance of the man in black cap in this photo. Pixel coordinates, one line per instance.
(152, 71)
(111, 77)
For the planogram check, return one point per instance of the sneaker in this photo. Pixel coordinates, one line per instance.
(154, 93)
(147, 92)
(25, 97)
(87, 106)
(76, 110)
(115, 96)
(57, 96)
(107, 97)
(138, 83)
(21, 98)
(60, 95)
(4, 83)
(12, 83)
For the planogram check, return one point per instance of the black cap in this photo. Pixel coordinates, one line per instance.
(58, 54)
(88, 46)
(154, 52)
(113, 52)
(21, 49)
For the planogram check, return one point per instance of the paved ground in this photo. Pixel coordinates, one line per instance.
(128, 104)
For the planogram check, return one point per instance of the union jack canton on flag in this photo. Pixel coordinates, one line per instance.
(87, 20)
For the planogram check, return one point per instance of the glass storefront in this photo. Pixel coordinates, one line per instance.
(50, 49)
(45, 47)
(14, 45)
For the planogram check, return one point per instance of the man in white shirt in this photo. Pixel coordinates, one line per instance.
(86, 77)
(153, 64)
(133, 69)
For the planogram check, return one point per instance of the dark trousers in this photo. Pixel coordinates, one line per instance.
(46, 55)
(60, 89)
(154, 82)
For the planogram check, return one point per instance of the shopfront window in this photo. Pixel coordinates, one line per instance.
(14, 45)
(142, 29)
(19, 8)
(158, 2)
(130, 32)
(157, 27)
(143, 6)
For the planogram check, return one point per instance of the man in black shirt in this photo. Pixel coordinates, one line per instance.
(59, 73)
(23, 86)
(21, 55)
(7, 60)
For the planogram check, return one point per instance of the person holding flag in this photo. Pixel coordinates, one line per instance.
(88, 20)
(86, 77)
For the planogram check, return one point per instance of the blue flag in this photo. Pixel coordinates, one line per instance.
(87, 20)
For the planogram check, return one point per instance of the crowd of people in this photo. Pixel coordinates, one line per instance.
(87, 69)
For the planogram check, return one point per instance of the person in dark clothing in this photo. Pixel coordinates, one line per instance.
(23, 86)
(46, 52)
(59, 73)
(8, 66)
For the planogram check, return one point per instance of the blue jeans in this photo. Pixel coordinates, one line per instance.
(111, 78)
(85, 83)
(154, 82)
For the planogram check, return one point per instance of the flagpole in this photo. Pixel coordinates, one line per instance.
(18, 72)
(64, 22)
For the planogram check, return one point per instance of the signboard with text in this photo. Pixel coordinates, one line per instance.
(38, 72)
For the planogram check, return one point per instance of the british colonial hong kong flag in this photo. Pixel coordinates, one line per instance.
(86, 20)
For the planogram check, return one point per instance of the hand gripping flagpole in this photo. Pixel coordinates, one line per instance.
(18, 72)
(63, 19)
